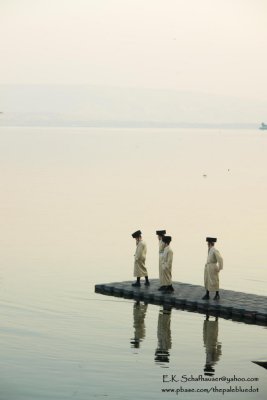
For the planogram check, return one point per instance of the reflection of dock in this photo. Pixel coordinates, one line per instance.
(235, 305)
(261, 363)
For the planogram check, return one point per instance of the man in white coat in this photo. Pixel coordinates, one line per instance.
(161, 249)
(140, 259)
(212, 268)
(167, 258)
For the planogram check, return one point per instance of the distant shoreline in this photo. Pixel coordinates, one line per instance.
(126, 125)
(115, 107)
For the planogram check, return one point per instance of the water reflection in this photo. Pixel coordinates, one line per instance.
(211, 344)
(213, 348)
(139, 314)
(162, 355)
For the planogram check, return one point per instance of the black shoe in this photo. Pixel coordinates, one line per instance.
(162, 288)
(216, 297)
(168, 289)
(136, 284)
(206, 297)
(147, 283)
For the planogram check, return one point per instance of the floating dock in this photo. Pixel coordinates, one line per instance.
(238, 306)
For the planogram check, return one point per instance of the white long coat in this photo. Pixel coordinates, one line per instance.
(140, 259)
(212, 268)
(167, 258)
(161, 250)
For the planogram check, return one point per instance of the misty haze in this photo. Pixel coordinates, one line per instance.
(84, 105)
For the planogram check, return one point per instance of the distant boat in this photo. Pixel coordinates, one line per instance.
(263, 126)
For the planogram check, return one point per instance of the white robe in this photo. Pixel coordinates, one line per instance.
(212, 268)
(140, 259)
(167, 258)
(161, 250)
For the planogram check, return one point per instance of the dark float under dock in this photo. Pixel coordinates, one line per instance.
(233, 305)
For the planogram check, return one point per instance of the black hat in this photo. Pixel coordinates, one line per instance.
(210, 239)
(136, 234)
(209, 370)
(162, 356)
(166, 239)
(161, 233)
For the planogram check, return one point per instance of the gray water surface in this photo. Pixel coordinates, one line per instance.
(70, 199)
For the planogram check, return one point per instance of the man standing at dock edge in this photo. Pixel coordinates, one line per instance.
(167, 265)
(140, 259)
(160, 235)
(212, 268)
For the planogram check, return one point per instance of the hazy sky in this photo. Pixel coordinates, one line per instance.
(216, 46)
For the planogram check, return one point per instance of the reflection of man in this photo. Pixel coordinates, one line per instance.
(140, 259)
(212, 268)
(139, 313)
(164, 336)
(211, 344)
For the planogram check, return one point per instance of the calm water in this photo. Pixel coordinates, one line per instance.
(70, 199)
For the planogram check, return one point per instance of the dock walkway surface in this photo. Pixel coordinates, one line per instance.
(238, 306)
